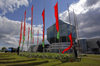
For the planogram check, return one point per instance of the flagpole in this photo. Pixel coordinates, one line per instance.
(18, 50)
(43, 35)
(70, 21)
(31, 32)
(44, 31)
(71, 31)
(31, 22)
(76, 30)
(27, 44)
(24, 28)
(43, 16)
(57, 23)
(28, 38)
(55, 34)
(37, 39)
(59, 35)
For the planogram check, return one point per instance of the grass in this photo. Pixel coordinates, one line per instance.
(12, 59)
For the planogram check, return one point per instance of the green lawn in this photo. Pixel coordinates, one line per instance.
(11, 59)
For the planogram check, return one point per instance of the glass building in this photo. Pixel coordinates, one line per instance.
(64, 30)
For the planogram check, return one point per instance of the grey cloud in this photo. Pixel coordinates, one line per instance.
(91, 2)
(89, 21)
(10, 31)
(8, 26)
(90, 18)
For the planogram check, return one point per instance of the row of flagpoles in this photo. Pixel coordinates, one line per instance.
(32, 32)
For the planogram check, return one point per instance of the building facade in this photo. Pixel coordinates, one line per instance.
(91, 46)
(64, 30)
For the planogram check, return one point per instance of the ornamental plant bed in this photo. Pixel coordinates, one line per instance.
(62, 57)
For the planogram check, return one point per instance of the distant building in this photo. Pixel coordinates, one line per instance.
(59, 45)
(93, 46)
(83, 45)
(90, 45)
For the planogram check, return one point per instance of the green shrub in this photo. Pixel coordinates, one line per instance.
(61, 57)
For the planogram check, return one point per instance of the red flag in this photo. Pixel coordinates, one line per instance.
(57, 20)
(71, 43)
(24, 22)
(43, 16)
(24, 26)
(31, 20)
(20, 33)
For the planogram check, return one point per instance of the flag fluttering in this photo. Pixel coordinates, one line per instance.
(24, 26)
(20, 33)
(57, 20)
(31, 20)
(71, 43)
(43, 16)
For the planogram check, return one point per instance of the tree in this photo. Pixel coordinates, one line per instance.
(3, 49)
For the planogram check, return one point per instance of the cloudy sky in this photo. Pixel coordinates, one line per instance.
(11, 12)
(88, 17)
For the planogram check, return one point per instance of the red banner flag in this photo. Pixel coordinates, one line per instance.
(24, 26)
(43, 16)
(20, 33)
(57, 20)
(71, 43)
(31, 20)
